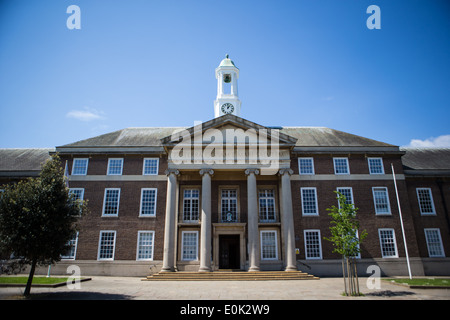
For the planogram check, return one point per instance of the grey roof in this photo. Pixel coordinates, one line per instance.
(431, 159)
(23, 160)
(306, 137)
(326, 137)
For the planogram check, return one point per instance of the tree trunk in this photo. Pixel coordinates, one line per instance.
(30, 278)
(343, 275)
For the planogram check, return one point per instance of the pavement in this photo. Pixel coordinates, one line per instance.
(131, 288)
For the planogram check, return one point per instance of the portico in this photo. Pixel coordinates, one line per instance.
(228, 214)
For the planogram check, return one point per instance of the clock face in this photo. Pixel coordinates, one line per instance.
(227, 108)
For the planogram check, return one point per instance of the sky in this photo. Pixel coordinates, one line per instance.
(148, 63)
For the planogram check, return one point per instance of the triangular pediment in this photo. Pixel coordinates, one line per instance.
(228, 128)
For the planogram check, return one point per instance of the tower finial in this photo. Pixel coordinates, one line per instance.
(226, 56)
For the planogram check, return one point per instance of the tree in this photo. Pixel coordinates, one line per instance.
(346, 241)
(38, 218)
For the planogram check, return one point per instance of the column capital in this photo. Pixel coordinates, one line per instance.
(206, 170)
(251, 170)
(174, 171)
(283, 171)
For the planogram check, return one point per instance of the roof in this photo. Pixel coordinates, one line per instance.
(227, 62)
(303, 138)
(26, 161)
(433, 161)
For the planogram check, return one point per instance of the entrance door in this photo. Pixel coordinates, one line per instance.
(229, 252)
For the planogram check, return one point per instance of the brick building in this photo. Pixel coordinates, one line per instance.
(232, 194)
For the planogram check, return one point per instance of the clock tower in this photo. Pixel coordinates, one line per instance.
(227, 100)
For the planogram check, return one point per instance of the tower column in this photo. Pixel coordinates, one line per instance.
(287, 219)
(205, 232)
(253, 236)
(169, 231)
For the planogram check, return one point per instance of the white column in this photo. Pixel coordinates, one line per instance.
(253, 236)
(169, 231)
(205, 232)
(287, 219)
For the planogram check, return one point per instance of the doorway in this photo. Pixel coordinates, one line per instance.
(229, 253)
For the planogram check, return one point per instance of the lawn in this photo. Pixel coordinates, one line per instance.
(36, 280)
(442, 282)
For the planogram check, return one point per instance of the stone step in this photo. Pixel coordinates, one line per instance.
(231, 276)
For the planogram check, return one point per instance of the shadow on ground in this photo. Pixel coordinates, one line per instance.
(78, 295)
(389, 293)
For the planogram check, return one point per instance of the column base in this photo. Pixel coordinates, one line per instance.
(204, 269)
(253, 269)
(291, 268)
(167, 269)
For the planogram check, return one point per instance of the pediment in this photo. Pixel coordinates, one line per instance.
(228, 129)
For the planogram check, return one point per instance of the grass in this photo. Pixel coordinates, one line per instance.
(36, 280)
(442, 282)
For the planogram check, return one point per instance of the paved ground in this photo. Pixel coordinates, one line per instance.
(126, 288)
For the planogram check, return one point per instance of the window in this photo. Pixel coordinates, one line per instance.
(267, 205)
(425, 199)
(150, 166)
(434, 243)
(348, 193)
(191, 205)
(148, 202)
(309, 202)
(305, 166)
(145, 245)
(269, 249)
(71, 252)
(375, 165)
(313, 246)
(79, 167)
(106, 245)
(229, 205)
(189, 245)
(387, 243)
(77, 194)
(115, 166)
(341, 166)
(111, 202)
(381, 200)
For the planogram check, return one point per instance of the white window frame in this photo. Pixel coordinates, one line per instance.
(274, 232)
(370, 167)
(347, 165)
(139, 246)
(339, 189)
(109, 167)
(264, 215)
(387, 199)
(143, 167)
(317, 231)
(426, 230)
(100, 245)
(73, 243)
(312, 166)
(141, 202)
(393, 239)
(303, 201)
(190, 199)
(73, 191)
(431, 200)
(229, 200)
(104, 203)
(183, 257)
(85, 168)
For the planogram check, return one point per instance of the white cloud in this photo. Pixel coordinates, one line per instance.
(85, 115)
(438, 142)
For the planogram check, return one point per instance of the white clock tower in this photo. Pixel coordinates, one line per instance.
(227, 100)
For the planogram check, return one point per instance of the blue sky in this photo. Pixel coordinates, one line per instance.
(139, 63)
